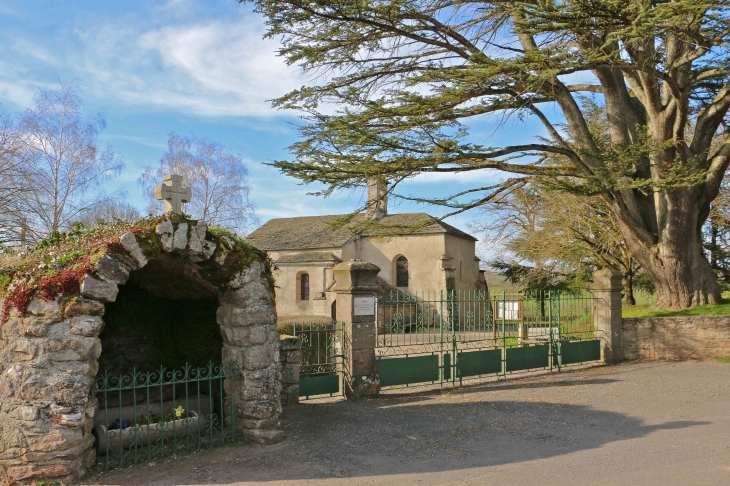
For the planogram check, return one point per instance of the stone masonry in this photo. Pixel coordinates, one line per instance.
(675, 338)
(48, 358)
(356, 280)
(289, 354)
(607, 314)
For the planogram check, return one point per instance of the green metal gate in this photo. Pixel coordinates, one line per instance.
(144, 417)
(447, 337)
(320, 364)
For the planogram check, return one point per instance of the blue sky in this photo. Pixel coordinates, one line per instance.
(152, 67)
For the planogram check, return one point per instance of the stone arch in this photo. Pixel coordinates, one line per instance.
(49, 350)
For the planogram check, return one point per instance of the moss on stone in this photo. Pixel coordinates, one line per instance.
(79, 250)
(96, 256)
(5, 279)
(236, 254)
(149, 242)
(64, 303)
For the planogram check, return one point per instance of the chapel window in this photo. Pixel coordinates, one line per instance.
(304, 287)
(401, 272)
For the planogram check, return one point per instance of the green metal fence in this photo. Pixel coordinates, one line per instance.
(143, 417)
(444, 336)
(321, 362)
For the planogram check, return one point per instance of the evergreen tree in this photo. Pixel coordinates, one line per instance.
(408, 77)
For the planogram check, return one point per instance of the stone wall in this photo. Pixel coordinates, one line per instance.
(289, 355)
(47, 367)
(673, 338)
(48, 356)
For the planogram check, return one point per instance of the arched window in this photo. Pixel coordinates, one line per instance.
(401, 272)
(304, 286)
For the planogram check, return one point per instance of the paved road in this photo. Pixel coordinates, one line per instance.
(634, 424)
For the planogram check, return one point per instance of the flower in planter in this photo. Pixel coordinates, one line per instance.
(147, 419)
(121, 424)
(179, 411)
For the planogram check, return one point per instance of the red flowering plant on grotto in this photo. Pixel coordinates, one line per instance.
(56, 265)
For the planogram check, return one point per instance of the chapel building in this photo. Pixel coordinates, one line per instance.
(416, 253)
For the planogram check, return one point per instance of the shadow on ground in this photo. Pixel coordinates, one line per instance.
(522, 383)
(417, 433)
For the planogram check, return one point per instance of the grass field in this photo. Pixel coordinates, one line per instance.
(648, 311)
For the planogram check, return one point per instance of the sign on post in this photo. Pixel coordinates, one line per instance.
(364, 306)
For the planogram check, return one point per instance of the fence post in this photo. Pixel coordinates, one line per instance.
(289, 357)
(523, 336)
(607, 289)
(355, 286)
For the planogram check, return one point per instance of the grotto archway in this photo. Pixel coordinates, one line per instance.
(163, 316)
(49, 349)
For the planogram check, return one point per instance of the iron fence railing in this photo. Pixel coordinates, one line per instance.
(405, 320)
(143, 417)
(442, 337)
(451, 335)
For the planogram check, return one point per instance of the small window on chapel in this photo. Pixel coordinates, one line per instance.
(304, 287)
(401, 272)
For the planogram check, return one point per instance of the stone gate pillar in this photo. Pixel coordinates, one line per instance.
(355, 285)
(607, 289)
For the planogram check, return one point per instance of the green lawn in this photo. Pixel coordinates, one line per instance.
(648, 311)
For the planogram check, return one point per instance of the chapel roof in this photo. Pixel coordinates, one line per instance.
(311, 232)
(309, 256)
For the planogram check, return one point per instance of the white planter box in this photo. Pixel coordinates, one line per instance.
(143, 435)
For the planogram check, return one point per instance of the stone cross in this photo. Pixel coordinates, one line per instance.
(173, 193)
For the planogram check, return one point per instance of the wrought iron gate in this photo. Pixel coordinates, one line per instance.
(144, 417)
(320, 364)
(451, 336)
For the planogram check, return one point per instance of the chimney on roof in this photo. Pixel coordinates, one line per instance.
(377, 198)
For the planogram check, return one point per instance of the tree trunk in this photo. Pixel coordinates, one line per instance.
(676, 263)
(713, 243)
(628, 282)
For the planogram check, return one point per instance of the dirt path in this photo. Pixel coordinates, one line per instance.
(651, 423)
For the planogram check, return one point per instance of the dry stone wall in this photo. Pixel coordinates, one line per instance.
(48, 356)
(677, 338)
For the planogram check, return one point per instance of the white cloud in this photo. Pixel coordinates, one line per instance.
(145, 141)
(194, 65)
(277, 196)
(212, 68)
(9, 10)
(16, 84)
(18, 94)
(218, 68)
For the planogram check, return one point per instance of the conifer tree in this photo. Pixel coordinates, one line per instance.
(408, 77)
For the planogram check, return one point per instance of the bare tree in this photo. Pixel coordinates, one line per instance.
(62, 165)
(110, 211)
(553, 234)
(11, 215)
(217, 177)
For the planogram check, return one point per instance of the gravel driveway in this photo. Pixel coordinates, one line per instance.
(636, 424)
